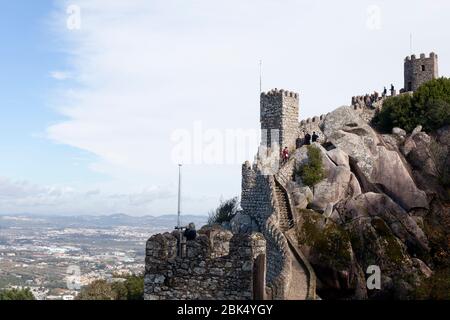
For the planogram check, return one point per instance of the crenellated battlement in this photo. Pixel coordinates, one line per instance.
(422, 56)
(313, 120)
(280, 93)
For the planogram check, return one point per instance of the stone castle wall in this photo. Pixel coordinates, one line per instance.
(311, 125)
(420, 70)
(365, 106)
(217, 265)
(258, 201)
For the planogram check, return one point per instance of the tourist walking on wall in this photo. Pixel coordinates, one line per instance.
(315, 137)
(307, 139)
(285, 155)
(299, 142)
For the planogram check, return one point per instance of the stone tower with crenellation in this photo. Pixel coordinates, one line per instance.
(419, 71)
(279, 118)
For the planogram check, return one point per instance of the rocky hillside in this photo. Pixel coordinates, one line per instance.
(383, 202)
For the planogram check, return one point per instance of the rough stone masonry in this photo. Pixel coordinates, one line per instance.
(217, 265)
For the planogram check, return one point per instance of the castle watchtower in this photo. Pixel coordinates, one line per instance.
(419, 71)
(279, 115)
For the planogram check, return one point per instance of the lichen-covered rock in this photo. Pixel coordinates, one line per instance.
(391, 173)
(327, 247)
(339, 157)
(382, 167)
(347, 131)
(340, 184)
(399, 132)
(419, 155)
(419, 264)
(402, 225)
(301, 157)
(300, 199)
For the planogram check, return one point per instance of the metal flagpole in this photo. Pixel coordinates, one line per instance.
(179, 195)
(260, 77)
(179, 210)
(411, 43)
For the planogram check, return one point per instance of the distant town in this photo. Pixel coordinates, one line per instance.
(56, 256)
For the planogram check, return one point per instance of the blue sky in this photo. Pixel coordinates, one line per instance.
(27, 56)
(89, 116)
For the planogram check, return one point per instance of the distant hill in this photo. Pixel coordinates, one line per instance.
(107, 221)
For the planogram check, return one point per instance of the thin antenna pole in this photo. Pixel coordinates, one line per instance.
(260, 76)
(179, 195)
(180, 245)
(411, 43)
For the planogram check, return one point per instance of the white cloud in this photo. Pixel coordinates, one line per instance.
(25, 197)
(60, 75)
(148, 68)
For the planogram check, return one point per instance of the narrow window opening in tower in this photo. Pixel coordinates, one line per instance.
(410, 86)
(423, 67)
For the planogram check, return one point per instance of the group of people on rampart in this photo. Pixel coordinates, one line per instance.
(305, 141)
(369, 99)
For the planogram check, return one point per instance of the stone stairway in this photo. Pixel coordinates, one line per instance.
(302, 283)
(284, 210)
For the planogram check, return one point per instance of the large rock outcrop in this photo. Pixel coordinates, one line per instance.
(340, 182)
(382, 167)
(378, 205)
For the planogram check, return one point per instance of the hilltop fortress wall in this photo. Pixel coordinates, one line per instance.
(258, 201)
(221, 264)
(217, 265)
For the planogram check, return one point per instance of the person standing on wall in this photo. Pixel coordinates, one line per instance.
(285, 155)
(299, 142)
(307, 139)
(315, 137)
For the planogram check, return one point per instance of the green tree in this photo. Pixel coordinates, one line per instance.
(429, 106)
(396, 112)
(120, 291)
(225, 212)
(97, 290)
(17, 294)
(135, 287)
(312, 172)
(130, 289)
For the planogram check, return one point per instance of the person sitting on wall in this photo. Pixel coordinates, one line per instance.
(315, 137)
(307, 139)
(190, 233)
